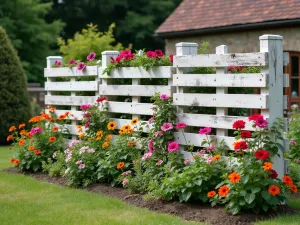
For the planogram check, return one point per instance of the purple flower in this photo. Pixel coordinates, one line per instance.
(72, 62)
(125, 181)
(180, 125)
(164, 97)
(205, 130)
(81, 166)
(81, 66)
(159, 162)
(293, 143)
(147, 155)
(150, 146)
(261, 123)
(167, 126)
(173, 146)
(91, 56)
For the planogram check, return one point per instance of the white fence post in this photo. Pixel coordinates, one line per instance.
(222, 49)
(274, 46)
(50, 61)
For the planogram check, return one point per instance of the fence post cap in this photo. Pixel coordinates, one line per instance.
(54, 57)
(186, 44)
(110, 53)
(270, 37)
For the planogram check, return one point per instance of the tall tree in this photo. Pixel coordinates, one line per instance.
(30, 34)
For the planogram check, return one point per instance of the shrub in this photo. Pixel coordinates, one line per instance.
(294, 136)
(55, 166)
(14, 98)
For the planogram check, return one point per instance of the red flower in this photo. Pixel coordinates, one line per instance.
(240, 145)
(239, 124)
(273, 174)
(171, 58)
(37, 152)
(159, 53)
(255, 117)
(112, 60)
(246, 134)
(151, 54)
(262, 154)
(101, 99)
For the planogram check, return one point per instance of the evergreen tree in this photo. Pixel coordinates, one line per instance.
(14, 98)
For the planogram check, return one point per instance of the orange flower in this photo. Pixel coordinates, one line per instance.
(12, 161)
(22, 125)
(234, 177)
(79, 129)
(62, 117)
(29, 135)
(21, 142)
(111, 125)
(37, 152)
(267, 166)
(108, 137)
(274, 190)
(211, 194)
(99, 134)
(12, 128)
(105, 144)
(35, 119)
(46, 116)
(66, 114)
(223, 191)
(80, 136)
(293, 188)
(23, 132)
(134, 121)
(122, 132)
(52, 139)
(31, 147)
(9, 137)
(17, 162)
(90, 139)
(54, 129)
(287, 180)
(217, 157)
(120, 165)
(131, 143)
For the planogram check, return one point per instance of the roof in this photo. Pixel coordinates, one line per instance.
(193, 15)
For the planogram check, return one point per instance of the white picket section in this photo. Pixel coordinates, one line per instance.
(70, 72)
(72, 86)
(133, 90)
(69, 100)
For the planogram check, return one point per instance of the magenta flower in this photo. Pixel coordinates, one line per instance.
(150, 146)
(164, 97)
(147, 155)
(205, 130)
(159, 162)
(158, 133)
(57, 63)
(72, 62)
(85, 107)
(151, 54)
(180, 125)
(36, 130)
(124, 182)
(81, 66)
(91, 56)
(87, 124)
(159, 53)
(167, 126)
(173, 146)
(81, 166)
(261, 123)
(293, 143)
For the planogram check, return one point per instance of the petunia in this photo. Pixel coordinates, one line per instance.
(173, 146)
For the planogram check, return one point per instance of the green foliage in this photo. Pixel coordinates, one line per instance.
(14, 98)
(89, 40)
(55, 166)
(295, 172)
(31, 35)
(294, 136)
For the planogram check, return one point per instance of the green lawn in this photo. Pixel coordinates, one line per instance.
(24, 200)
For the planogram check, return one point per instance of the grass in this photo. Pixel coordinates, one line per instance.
(24, 200)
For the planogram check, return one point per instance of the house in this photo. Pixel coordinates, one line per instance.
(238, 24)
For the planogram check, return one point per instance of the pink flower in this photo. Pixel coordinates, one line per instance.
(126, 173)
(187, 161)
(159, 53)
(171, 58)
(124, 182)
(164, 97)
(261, 123)
(85, 107)
(36, 130)
(293, 143)
(79, 162)
(159, 162)
(81, 166)
(173, 146)
(150, 146)
(167, 126)
(151, 54)
(209, 159)
(91, 150)
(297, 160)
(205, 130)
(147, 155)
(54, 155)
(210, 148)
(91, 56)
(81, 66)
(151, 120)
(57, 63)
(180, 125)
(87, 124)
(158, 133)
(72, 62)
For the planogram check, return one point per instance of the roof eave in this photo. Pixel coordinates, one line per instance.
(236, 27)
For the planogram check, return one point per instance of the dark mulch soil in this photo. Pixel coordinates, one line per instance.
(188, 211)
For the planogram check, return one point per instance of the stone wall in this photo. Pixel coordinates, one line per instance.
(240, 42)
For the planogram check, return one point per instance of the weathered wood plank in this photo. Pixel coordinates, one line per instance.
(69, 100)
(70, 72)
(252, 101)
(221, 80)
(72, 86)
(130, 108)
(134, 90)
(222, 122)
(138, 72)
(215, 60)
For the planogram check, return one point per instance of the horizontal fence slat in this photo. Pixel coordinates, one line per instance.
(70, 72)
(202, 120)
(72, 86)
(218, 60)
(221, 80)
(77, 114)
(196, 139)
(122, 122)
(250, 101)
(72, 129)
(137, 72)
(130, 108)
(133, 90)
(69, 100)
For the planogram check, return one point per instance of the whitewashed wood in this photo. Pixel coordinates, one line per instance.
(77, 114)
(202, 120)
(72, 86)
(138, 72)
(285, 101)
(70, 72)
(69, 100)
(71, 129)
(106, 55)
(196, 139)
(286, 166)
(133, 90)
(286, 58)
(215, 60)
(221, 80)
(286, 80)
(221, 100)
(130, 108)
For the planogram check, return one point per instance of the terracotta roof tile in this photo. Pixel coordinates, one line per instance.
(201, 14)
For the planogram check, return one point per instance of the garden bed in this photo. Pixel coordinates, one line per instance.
(188, 211)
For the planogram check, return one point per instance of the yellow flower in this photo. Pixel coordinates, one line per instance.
(80, 136)
(111, 125)
(134, 121)
(108, 137)
(105, 144)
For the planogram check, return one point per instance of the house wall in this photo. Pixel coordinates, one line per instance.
(240, 42)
